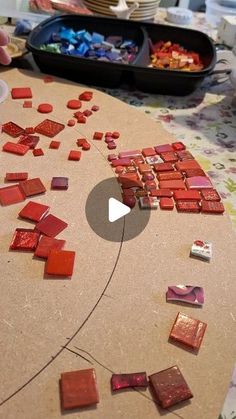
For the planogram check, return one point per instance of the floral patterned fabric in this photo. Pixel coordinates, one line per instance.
(206, 122)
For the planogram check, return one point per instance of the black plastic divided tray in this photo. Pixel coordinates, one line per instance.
(112, 74)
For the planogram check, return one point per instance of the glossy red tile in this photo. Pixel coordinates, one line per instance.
(132, 154)
(166, 203)
(51, 226)
(188, 331)
(164, 148)
(16, 177)
(27, 104)
(148, 152)
(188, 206)
(21, 93)
(74, 155)
(169, 175)
(212, 207)
(210, 195)
(71, 123)
(137, 379)
(12, 129)
(178, 146)
(172, 184)
(32, 187)
(163, 167)
(187, 164)
(49, 128)
(11, 195)
(38, 152)
(30, 140)
(97, 135)
(86, 96)
(190, 195)
(184, 155)
(13, 148)
(46, 244)
(24, 239)
(78, 389)
(60, 263)
(169, 387)
(34, 211)
(198, 182)
(169, 157)
(54, 144)
(159, 193)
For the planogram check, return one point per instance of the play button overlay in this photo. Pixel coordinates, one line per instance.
(109, 218)
(116, 210)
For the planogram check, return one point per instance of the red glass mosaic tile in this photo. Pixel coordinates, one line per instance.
(188, 331)
(169, 387)
(210, 195)
(30, 140)
(71, 123)
(86, 96)
(187, 164)
(95, 108)
(172, 184)
(159, 193)
(212, 207)
(198, 182)
(97, 135)
(38, 152)
(74, 155)
(60, 263)
(49, 128)
(34, 211)
(169, 175)
(121, 162)
(13, 148)
(21, 93)
(46, 244)
(132, 154)
(24, 239)
(184, 155)
(54, 144)
(178, 146)
(32, 187)
(188, 206)
(164, 148)
(78, 389)
(16, 177)
(45, 108)
(148, 152)
(166, 203)
(11, 195)
(190, 195)
(12, 129)
(74, 104)
(27, 104)
(194, 172)
(163, 167)
(51, 226)
(169, 157)
(137, 379)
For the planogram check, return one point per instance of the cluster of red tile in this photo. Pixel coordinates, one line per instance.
(165, 175)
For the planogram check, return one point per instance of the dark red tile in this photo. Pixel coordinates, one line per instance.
(169, 387)
(188, 206)
(210, 195)
(59, 183)
(38, 152)
(78, 389)
(166, 203)
(169, 175)
(164, 148)
(74, 155)
(97, 135)
(30, 140)
(137, 379)
(212, 207)
(178, 146)
(190, 195)
(54, 144)
(51, 226)
(169, 157)
(163, 167)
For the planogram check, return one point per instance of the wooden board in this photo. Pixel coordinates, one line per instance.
(114, 306)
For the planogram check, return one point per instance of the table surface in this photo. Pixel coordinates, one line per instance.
(205, 121)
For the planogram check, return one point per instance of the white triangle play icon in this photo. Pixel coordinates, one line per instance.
(116, 210)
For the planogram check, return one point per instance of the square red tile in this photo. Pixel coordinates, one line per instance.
(49, 128)
(78, 389)
(30, 140)
(51, 226)
(166, 203)
(60, 263)
(60, 183)
(169, 387)
(74, 155)
(38, 152)
(97, 135)
(148, 152)
(46, 244)
(27, 104)
(212, 207)
(12, 129)
(54, 144)
(32, 187)
(34, 211)
(11, 195)
(24, 239)
(188, 331)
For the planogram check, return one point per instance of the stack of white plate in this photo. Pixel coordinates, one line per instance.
(146, 11)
